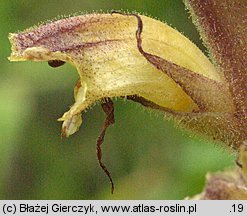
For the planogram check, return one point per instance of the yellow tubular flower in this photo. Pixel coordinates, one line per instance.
(141, 59)
(103, 48)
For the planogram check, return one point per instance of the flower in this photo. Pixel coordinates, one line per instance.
(145, 60)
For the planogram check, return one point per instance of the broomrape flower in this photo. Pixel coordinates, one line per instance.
(146, 61)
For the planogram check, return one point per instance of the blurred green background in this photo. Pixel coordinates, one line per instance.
(148, 157)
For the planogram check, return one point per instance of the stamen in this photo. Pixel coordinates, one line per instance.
(56, 63)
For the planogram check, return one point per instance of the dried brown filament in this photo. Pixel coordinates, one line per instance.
(108, 108)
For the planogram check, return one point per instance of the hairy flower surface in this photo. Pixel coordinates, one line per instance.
(145, 60)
